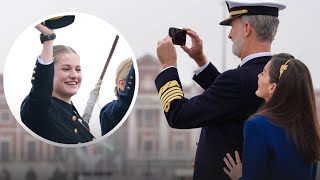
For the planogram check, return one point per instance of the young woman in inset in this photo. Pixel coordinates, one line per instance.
(48, 110)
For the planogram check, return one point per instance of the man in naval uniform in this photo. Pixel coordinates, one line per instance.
(229, 97)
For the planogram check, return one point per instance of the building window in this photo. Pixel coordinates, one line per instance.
(147, 146)
(57, 153)
(4, 117)
(179, 146)
(5, 145)
(31, 148)
(151, 115)
(3, 100)
(5, 174)
(148, 84)
(147, 117)
(139, 114)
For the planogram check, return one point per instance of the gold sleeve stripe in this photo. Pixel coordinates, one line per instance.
(163, 98)
(171, 97)
(168, 85)
(166, 106)
(169, 91)
(165, 101)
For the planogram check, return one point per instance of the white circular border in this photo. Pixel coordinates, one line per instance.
(18, 118)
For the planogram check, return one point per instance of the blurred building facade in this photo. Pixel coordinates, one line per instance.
(143, 147)
(22, 155)
(158, 149)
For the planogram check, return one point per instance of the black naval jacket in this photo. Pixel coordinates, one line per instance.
(112, 113)
(221, 110)
(50, 117)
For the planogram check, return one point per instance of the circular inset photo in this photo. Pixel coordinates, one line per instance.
(70, 79)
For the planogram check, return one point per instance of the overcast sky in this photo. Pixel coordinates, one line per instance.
(144, 22)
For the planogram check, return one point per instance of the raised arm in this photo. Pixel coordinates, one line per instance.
(112, 113)
(220, 101)
(47, 51)
(35, 107)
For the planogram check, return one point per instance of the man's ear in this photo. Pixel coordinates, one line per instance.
(248, 29)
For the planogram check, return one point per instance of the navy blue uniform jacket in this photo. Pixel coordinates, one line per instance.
(221, 110)
(112, 113)
(49, 117)
(270, 155)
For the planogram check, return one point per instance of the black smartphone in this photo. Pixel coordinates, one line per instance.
(178, 36)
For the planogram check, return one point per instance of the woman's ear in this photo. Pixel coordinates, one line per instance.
(121, 84)
(272, 88)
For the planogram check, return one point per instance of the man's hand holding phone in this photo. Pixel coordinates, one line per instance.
(196, 49)
(167, 53)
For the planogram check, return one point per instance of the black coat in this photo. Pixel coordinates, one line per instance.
(49, 117)
(112, 113)
(221, 110)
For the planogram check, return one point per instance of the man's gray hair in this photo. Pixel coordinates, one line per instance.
(265, 26)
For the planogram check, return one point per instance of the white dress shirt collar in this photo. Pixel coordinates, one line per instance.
(255, 55)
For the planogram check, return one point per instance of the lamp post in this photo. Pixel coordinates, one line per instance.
(223, 40)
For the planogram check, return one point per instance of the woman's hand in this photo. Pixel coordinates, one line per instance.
(235, 168)
(47, 51)
(43, 29)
